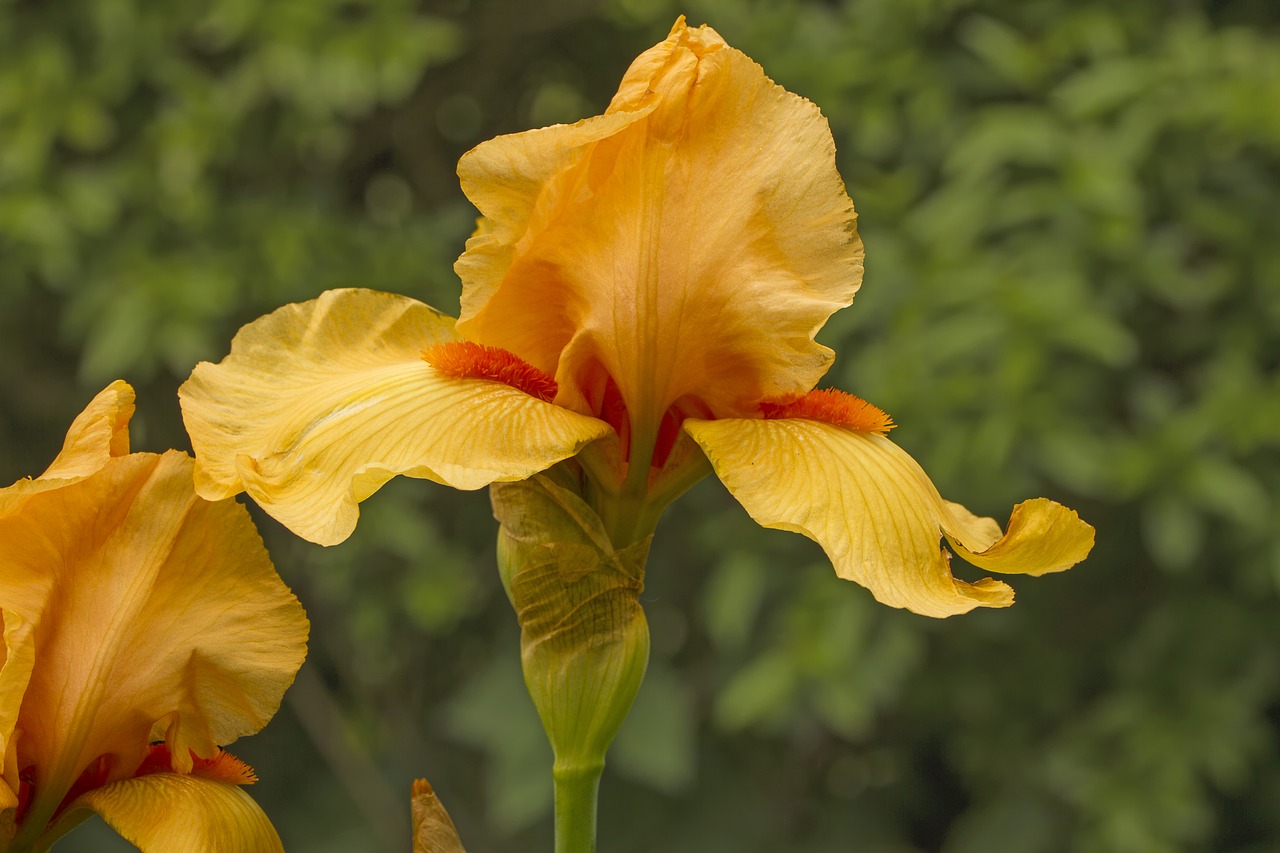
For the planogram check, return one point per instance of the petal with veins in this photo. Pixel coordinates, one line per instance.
(878, 516)
(690, 242)
(178, 813)
(149, 607)
(321, 403)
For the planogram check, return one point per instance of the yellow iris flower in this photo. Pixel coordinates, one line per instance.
(144, 628)
(642, 293)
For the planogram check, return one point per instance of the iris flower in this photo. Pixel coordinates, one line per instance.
(144, 628)
(642, 294)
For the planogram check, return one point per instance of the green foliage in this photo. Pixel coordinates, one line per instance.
(1072, 220)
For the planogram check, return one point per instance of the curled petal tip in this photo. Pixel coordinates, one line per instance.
(1042, 536)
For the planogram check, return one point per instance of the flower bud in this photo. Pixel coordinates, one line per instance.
(584, 641)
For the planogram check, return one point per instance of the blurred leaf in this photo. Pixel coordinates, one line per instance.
(493, 714)
(1173, 532)
(732, 599)
(658, 744)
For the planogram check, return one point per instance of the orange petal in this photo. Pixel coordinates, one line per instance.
(687, 244)
(152, 609)
(17, 659)
(97, 434)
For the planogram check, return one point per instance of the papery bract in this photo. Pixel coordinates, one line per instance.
(433, 829)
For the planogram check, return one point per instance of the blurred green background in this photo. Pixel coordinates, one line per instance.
(1072, 221)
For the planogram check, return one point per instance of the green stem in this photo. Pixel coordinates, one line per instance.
(577, 790)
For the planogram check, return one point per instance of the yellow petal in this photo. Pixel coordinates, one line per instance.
(1043, 536)
(177, 813)
(688, 244)
(877, 515)
(97, 434)
(151, 608)
(320, 403)
(433, 829)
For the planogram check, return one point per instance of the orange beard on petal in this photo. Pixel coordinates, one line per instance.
(467, 360)
(833, 407)
(223, 766)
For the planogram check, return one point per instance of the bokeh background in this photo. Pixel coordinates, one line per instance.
(1072, 220)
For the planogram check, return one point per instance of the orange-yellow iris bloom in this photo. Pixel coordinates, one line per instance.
(642, 292)
(144, 628)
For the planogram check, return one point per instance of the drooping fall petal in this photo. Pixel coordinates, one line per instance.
(179, 813)
(320, 403)
(688, 243)
(155, 614)
(878, 516)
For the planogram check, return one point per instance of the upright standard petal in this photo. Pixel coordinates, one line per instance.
(687, 245)
(878, 516)
(320, 403)
(97, 434)
(156, 615)
(17, 659)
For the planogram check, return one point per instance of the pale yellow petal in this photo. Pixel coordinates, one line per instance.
(869, 505)
(688, 244)
(320, 403)
(151, 607)
(433, 829)
(176, 813)
(97, 434)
